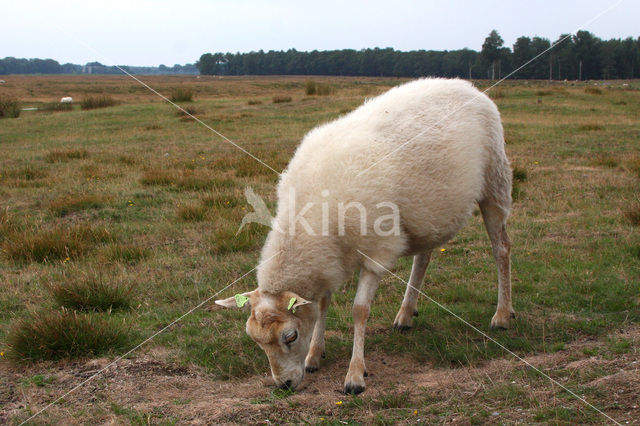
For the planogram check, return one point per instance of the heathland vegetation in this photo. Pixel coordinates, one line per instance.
(117, 220)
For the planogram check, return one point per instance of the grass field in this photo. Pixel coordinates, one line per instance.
(115, 221)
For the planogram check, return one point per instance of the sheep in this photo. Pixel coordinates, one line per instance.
(398, 176)
(66, 100)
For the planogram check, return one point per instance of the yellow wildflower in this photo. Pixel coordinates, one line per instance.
(339, 403)
(443, 250)
(415, 412)
(1, 353)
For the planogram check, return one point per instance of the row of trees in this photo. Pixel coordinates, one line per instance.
(580, 56)
(12, 65)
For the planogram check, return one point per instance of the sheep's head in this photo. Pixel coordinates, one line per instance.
(282, 325)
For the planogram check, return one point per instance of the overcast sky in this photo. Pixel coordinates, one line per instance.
(153, 32)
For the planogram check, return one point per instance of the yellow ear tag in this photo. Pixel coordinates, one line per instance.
(241, 300)
(292, 301)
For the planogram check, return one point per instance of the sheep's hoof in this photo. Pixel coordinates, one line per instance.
(415, 313)
(401, 328)
(501, 319)
(353, 389)
(310, 369)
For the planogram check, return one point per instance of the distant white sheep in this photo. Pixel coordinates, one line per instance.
(416, 161)
(66, 100)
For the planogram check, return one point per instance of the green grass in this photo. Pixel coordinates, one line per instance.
(91, 292)
(157, 202)
(62, 333)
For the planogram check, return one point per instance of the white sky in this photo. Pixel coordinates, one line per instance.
(151, 32)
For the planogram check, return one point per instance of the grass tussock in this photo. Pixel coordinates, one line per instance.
(519, 174)
(280, 99)
(7, 225)
(56, 243)
(254, 102)
(225, 240)
(314, 88)
(634, 166)
(91, 292)
(592, 91)
(496, 94)
(590, 127)
(181, 94)
(125, 253)
(28, 173)
(56, 107)
(186, 113)
(62, 155)
(129, 160)
(9, 108)
(74, 203)
(64, 333)
(606, 161)
(95, 102)
(632, 214)
(544, 93)
(192, 213)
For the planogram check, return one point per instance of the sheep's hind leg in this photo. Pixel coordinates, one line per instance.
(495, 219)
(408, 309)
(354, 381)
(316, 349)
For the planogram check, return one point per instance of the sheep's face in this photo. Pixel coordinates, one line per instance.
(282, 325)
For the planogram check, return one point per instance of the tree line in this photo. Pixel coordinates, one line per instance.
(574, 57)
(10, 65)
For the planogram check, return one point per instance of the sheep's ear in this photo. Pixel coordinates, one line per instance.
(294, 301)
(238, 301)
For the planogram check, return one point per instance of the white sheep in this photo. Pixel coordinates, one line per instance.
(398, 176)
(66, 100)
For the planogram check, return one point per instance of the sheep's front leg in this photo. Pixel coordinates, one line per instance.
(354, 381)
(316, 349)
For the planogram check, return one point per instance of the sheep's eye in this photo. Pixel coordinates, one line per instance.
(290, 337)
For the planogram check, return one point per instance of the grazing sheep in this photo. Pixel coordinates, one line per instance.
(66, 100)
(399, 176)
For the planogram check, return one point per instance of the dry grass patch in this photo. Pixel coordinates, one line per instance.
(192, 213)
(75, 202)
(254, 102)
(191, 180)
(126, 253)
(590, 127)
(56, 107)
(56, 243)
(592, 91)
(9, 108)
(63, 333)
(314, 88)
(279, 99)
(62, 155)
(182, 94)
(95, 102)
(606, 161)
(633, 214)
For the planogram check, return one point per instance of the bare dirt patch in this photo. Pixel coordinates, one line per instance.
(151, 389)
